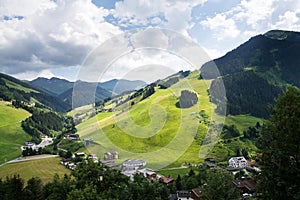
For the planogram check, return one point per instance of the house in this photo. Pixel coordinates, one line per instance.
(92, 156)
(129, 174)
(29, 145)
(238, 162)
(72, 136)
(195, 193)
(167, 180)
(79, 154)
(31, 104)
(245, 187)
(133, 164)
(111, 156)
(181, 195)
(148, 173)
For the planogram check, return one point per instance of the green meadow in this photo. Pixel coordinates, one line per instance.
(11, 133)
(153, 129)
(45, 169)
(156, 130)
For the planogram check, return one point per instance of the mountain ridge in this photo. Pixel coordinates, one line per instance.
(63, 89)
(273, 57)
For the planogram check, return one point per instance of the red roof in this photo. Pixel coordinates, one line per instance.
(167, 180)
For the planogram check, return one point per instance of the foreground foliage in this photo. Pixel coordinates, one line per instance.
(280, 145)
(85, 183)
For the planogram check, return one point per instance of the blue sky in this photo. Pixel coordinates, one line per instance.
(54, 38)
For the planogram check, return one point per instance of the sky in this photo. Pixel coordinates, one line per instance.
(59, 38)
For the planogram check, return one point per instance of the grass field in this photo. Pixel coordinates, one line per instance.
(242, 122)
(43, 168)
(154, 129)
(226, 148)
(161, 133)
(11, 132)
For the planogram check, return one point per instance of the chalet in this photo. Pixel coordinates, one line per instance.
(29, 145)
(167, 180)
(182, 195)
(111, 156)
(195, 193)
(31, 104)
(148, 173)
(80, 154)
(238, 162)
(245, 186)
(92, 156)
(72, 136)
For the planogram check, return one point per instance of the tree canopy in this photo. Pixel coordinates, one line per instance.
(280, 145)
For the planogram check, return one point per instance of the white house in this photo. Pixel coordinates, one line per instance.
(238, 162)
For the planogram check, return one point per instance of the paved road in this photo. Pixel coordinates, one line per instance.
(23, 159)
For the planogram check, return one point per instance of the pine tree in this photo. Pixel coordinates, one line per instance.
(280, 145)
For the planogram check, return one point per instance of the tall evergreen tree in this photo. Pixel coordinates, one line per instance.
(219, 186)
(280, 145)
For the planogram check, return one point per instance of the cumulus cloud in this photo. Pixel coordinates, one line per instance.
(289, 20)
(174, 15)
(150, 47)
(51, 34)
(247, 19)
(222, 26)
(255, 12)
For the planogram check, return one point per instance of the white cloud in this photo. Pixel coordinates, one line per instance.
(177, 14)
(247, 19)
(255, 12)
(222, 26)
(214, 53)
(30, 75)
(56, 35)
(52, 34)
(23, 8)
(288, 20)
(130, 64)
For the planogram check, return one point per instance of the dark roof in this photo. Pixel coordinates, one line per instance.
(183, 193)
(173, 197)
(247, 183)
(196, 192)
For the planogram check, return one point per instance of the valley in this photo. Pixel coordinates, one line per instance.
(182, 125)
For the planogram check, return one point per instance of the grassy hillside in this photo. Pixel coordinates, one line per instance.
(153, 129)
(43, 168)
(242, 122)
(156, 130)
(11, 133)
(14, 89)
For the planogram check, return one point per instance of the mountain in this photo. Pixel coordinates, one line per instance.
(86, 93)
(63, 89)
(118, 86)
(53, 86)
(274, 61)
(14, 89)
